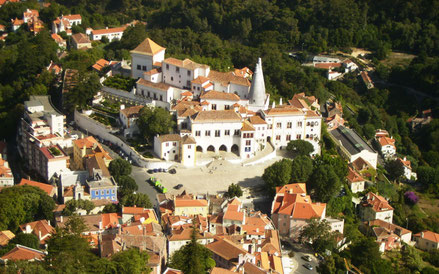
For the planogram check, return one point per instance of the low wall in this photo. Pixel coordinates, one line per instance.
(131, 97)
(267, 157)
(105, 133)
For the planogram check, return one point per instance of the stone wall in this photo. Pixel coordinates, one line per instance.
(106, 133)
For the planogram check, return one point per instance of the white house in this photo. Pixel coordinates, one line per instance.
(173, 147)
(408, 173)
(128, 117)
(427, 240)
(146, 55)
(355, 181)
(179, 238)
(374, 207)
(387, 145)
(110, 33)
(158, 91)
(180, 73)
(65, 23)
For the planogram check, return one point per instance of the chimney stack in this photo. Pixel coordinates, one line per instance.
(100, 225)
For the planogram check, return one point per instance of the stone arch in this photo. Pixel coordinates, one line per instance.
(235, 149)
(211, 148)
(199, 149)
(223, 148)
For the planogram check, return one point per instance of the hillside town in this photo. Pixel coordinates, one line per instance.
(148, 161)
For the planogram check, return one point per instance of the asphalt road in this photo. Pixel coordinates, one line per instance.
(297, 261)
(139, 174)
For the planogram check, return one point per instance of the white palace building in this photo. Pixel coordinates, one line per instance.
(219, 111)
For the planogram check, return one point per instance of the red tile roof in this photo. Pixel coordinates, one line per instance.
(190, 203)
(296, 188)
(376, 202)
(386, 141)
(5, 237)
(428, 235)
(19, 253)
(148, 47)
(353, 176)
(37, 227)
(108, 30)
(49, 189)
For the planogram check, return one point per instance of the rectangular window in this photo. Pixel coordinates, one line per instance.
(207, 133)
(97, 192)
(139, 67)
(298, 136)
(248, 142)
(188, 73)
(189, 146)
(161, 97)
(102, 192)
(198, 133)
(227, 132)
(167, 144)
(217, 133)
(213, 106)
(144, 68)
(188, 83)
(270, 126)
(226, 107)
(112, 191)
(278, 137)
(288, 137)
(299, 124)
(279, 125)
(108, 192)
(177, 69)
(174, 144)
(167, 66)
(289, 125)
(149, 94)
(247, 149)
(237, 132)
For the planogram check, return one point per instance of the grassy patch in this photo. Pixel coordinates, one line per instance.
(398, 59)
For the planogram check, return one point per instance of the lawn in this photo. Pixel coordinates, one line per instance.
(398, 59)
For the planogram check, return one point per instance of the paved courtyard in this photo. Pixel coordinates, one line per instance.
(215, 177)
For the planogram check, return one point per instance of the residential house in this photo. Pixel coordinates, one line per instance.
(54, 68)
(174, 147)
(100, 64)
(42, 229)
(349, 65)
(59, 40)
(110, 33)
(388, 235)
(130, 214)
(374, 207)
(128, 117)
(16, 24)
(324, 59)
(80, 41)
(427, 240)
(408, 173)
(234, 213)
(181, 237)
(65, 23)
(85, 148)
(49, 189)
(186, 205)
(228, 254)
(334, 122)
(386, 145)
(292, 208)
(355, 181)
(5, 237)
(418, 122)
(101, 184)
(366, 79)
(23, 253)
(352, 146)
(95, 224)
(6, 176)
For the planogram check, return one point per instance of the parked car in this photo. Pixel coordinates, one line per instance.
(178, 186)
(150, 171)
(307, 258)
(173, 171)
(308, 266)
(74, 136)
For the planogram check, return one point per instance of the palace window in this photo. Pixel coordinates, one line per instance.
(207, 133)
(217, 133)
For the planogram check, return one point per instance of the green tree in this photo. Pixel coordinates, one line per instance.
(193, 258)
(233, 191)
(365, 255)
(301, 168)
(319, 233)
(119, 167)
(26, 239)
(127, 185)
(300, 147)
(323, 183)
(133, 36)
(278, 174)
(131, 261)
(153, 121)
(23, 204)
(136, 199)
(394, 169)
(87, 85)
(73, 205)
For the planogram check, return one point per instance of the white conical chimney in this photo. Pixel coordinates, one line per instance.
(257, 89)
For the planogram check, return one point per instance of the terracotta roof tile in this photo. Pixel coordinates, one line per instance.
(19, 253)
(107, 31)
(200, 80)
(429, 235)
(227, 250)
(186, 63)
(225, 78)
(190, 203)
(376, 202)
(158, 86)
(353, 176)
(257, 120)
(49, 189)
(247, 126)
(81, 38)
(217, 116)
(131, 111)
(148, 47)
(5, 237)
(218, 95)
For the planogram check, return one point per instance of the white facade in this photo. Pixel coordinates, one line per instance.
(181, 73)
(370, 157)
(144, 57)
(110, 34)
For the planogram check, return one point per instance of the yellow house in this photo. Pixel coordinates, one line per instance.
(186, 207)
(85, 148)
